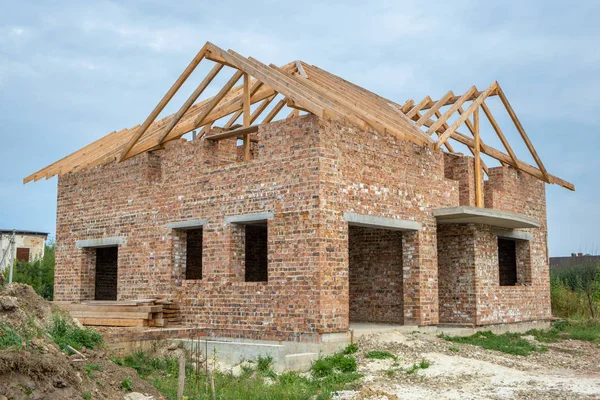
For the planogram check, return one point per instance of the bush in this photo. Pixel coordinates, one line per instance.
(66, 334)
(39, 274)
(575, 291)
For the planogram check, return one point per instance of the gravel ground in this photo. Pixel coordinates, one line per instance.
(568, 370)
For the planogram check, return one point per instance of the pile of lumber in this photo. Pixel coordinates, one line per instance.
(171, 313)
(144, 312)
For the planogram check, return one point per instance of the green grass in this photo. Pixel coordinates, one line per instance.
(127, 384)
(337, 363)
(350, 349)
(87, 396)
(65, 334)
(424, 364)
(510, 343)
(380, 355)
(9, 337)
(335, 373)
(587, 330)
(90, 368)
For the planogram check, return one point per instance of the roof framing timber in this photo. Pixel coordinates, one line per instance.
(313, 90)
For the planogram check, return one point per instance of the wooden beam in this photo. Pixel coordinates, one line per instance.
(233, 133)
(502, 157)
(445, 126)
(521, 130)
(301, 69)
(478, 170)
(418, 107)
(496, 127)
(257, 84)
(190, 101)
(472, 130)
(407, 106)
(450, 112)
(163, 102)
(434, 109)
(474, 105)
(215, 100)
(295, 112)
(261, 107)
(247, 116)
(264, 74)
(454, 99)
(274, 111)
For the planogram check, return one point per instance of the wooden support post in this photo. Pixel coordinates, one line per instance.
(478, 167)
(247, 116)
(181, 380)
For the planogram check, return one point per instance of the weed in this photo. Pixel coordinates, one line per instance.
(454, 349)
(264, 364)
(127, 384)
(9, 337)
(588, 330)
(87, 396)
(90, 368)
(424, 364)
(163, 374)
(510, 343)
(66, 334)
(380, 355)
(390, 372)
(333, 364)
(350, 349)
(117, 361)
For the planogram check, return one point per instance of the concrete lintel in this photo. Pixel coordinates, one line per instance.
(371, 221)
(512, 234)
(101, 242)
(248, 218)
(486, 216)
(184, 225)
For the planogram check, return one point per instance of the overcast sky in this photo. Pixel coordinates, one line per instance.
(73, 71)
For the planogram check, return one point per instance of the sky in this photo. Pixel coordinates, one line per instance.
(74, 71)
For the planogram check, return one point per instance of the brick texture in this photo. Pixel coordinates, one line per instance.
(306, 171)
(375, 274)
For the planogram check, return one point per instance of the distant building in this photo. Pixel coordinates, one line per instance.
(20, 245)
(557, 263)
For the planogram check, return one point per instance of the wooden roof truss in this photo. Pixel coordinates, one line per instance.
(307, 88)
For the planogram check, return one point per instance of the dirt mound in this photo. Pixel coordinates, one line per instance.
(21, 305)
(33, 366)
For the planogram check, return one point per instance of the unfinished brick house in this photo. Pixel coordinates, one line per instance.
(351, 209)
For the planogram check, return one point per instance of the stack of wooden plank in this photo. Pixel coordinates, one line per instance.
(171, 312)
(144, 312)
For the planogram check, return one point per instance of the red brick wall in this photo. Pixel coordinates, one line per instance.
(457, 273)
(369, 173)
(307, 172)
(375, 274)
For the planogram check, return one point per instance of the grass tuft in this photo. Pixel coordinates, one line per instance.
(66, 334)
(127, 384)
(90, 368)
(350, 349)
(337, 363)
(380, 355)
(510, 343)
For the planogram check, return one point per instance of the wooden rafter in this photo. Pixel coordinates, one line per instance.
(477, 155)
(313, 90)
(521, 130)
(190, 101)
(163, 102)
